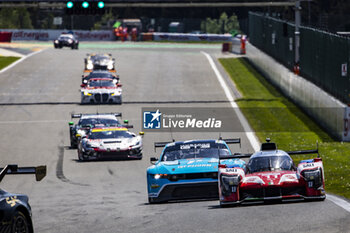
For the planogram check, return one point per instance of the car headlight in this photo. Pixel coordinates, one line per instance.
(110, 66)
(87, 93)
(230, 180)
(90, 66)
(159, 176)
(312, 175)
(70, 41)
(56, 41)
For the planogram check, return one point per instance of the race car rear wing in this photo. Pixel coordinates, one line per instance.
(304, 152)
(232, 141)
(13, 169)
(160, 144)
(79, 115)
(234, 156)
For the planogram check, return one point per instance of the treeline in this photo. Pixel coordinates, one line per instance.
(222, 25)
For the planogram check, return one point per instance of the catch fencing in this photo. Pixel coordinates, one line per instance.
(324, 57)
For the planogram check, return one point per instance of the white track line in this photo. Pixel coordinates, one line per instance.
(249, 132)
(20, 60)
(339, 202)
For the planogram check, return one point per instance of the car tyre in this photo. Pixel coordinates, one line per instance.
(20, 223)
(153, 201)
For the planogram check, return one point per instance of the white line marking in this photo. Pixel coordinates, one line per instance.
(251, 136)
(247, 129)
(31, 122)
(339, 202)
(20, 60)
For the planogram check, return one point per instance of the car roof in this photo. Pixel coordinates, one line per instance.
(269, 153)
(195, 141)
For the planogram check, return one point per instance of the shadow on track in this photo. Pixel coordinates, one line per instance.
(124, 102)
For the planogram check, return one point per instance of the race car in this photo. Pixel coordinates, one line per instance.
(15, 211)
(270, 175)
(101, 91)
(99, 74)
(110, 142)
(66, 40)
(88, 121)
(99, 62)
(188, 169)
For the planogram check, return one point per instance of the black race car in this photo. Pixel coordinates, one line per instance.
(15, 211)
(66, 40)
(99, 74)
(99, 62)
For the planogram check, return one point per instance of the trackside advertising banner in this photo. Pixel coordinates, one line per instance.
(43, 35)
(162, 36)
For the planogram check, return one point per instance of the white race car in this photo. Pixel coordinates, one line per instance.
(110, 142)
(101, 90)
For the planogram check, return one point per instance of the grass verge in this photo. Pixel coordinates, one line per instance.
(5, 61)
(272, 115)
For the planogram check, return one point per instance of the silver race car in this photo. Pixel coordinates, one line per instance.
(88, 121)
(110, 142)
(99, 62)
(101, 91)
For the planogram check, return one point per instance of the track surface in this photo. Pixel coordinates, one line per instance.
(111, 196)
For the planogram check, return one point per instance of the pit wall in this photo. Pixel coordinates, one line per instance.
(330, 113)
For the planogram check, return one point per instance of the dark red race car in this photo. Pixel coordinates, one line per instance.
(271, 175)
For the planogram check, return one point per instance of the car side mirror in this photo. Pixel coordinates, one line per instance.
(82, 85)
(119, 85)
(153, 160)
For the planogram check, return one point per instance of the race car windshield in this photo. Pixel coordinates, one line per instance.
(100, 75)
(270, 163)
(194, 151)
(65, 37)
(98, 121)
(110, 134)
(101, 83)
(100, 57)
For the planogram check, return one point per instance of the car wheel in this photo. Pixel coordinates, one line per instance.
(154, 201)
(20, 223)
(77, 46)
(73, 145)
(80, 156)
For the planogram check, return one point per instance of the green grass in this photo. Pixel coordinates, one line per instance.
(272, 115)
(5, 61)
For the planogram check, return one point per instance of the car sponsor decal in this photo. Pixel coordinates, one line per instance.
(12, 201)
(109, 129)
(197, 146)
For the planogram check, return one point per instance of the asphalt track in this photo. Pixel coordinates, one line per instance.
(36, 99)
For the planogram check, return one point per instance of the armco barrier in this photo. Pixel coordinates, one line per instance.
(5, 36)
(160, 36)
(324, 108)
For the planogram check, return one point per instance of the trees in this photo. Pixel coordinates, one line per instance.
(15, 18)
(222, 25)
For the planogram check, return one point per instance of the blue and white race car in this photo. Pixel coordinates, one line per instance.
(188, 169)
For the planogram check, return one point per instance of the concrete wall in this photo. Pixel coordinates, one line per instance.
(324, 108)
